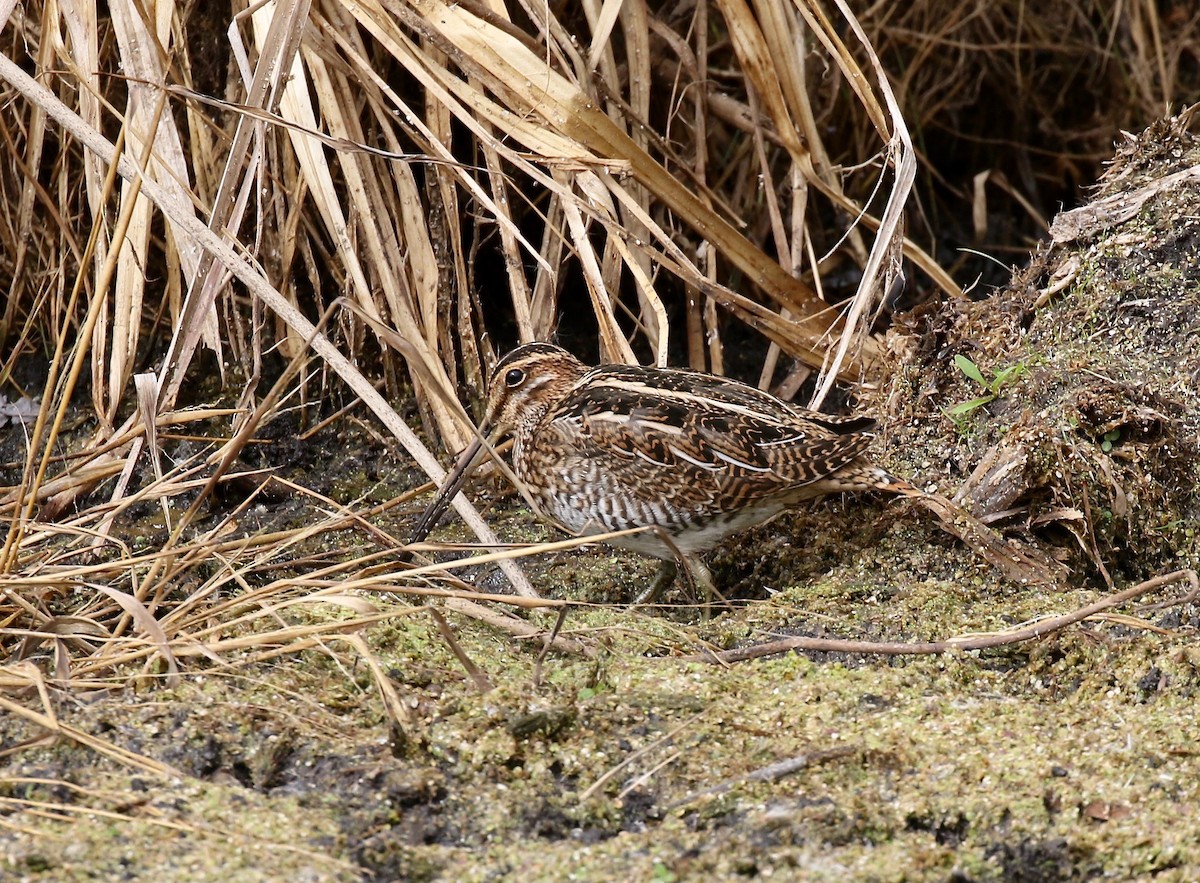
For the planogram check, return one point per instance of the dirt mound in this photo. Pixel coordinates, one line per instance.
(1066, 407)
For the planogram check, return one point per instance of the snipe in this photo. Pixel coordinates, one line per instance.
(691, 456)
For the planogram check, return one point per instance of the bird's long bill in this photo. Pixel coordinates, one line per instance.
(455, 479)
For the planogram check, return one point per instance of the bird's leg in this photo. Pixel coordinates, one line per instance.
(694, 572)
(668, 570)
(665, 576)
(698, 574)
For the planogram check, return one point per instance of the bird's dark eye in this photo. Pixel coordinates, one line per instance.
(515, 377)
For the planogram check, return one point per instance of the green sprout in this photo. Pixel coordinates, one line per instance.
(991, 387)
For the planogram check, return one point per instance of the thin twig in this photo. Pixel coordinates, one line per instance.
(666, 739)
(950, 645)
(519, 628)
(481, 680)
(537, 666)
(772, 772)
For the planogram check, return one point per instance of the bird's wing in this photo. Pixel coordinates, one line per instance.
(724, 436)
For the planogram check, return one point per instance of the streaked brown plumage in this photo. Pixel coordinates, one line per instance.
(693, 456)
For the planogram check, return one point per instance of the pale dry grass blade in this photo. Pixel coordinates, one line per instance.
(544, 307)
(512, 69)
(146, 387)
(613, 345)
(979, 202)
(141, 44)
(404, 725)
(883, 263)
(147, 623)
(254, 281)
(80, 55)
(1151, 74)
(522, 297)
(602, 19)
(197, 319)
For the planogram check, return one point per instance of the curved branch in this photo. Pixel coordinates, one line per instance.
(950, 645)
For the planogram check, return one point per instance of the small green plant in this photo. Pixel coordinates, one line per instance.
(992, 387)
(663, 874)
(1110, 438)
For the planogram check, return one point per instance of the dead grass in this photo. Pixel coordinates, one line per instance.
(204, 234)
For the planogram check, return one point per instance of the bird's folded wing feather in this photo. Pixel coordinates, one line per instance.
(720, 431)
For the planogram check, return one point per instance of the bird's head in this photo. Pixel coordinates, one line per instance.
(526, 384)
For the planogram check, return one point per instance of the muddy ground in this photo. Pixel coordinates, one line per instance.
(1069, 757)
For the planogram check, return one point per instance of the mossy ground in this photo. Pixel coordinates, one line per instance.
(1067, 758)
